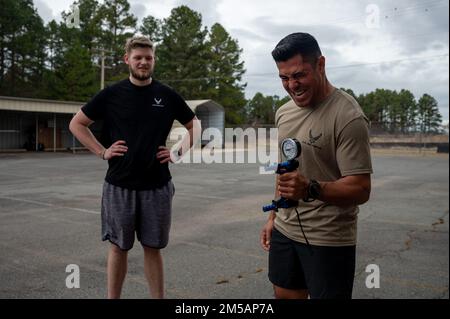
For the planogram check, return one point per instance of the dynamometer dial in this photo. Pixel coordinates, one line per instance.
(291, 148)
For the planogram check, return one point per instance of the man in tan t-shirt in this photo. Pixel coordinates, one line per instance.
(312, 246)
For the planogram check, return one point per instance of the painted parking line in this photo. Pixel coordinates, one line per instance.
(50, 205)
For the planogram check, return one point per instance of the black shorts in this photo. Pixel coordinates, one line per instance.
(326, 272)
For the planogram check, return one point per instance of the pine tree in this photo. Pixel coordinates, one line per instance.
(22, 46)
(76, 80)
(182, 56)
(407, 107)
(261, 109)
(429, 117)
(118, 24)
(225, 70)
(151, 28)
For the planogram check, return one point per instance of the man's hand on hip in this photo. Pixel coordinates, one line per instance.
(119, 148)
(164, 155)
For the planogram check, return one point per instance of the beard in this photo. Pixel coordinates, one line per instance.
(141, 74)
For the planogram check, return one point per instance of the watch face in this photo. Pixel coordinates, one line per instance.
(290, 148)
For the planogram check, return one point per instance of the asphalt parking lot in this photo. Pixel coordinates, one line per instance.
(50, 218)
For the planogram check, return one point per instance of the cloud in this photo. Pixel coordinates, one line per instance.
(247, 35)
(275, 31)
(156, 8)
(208, 9)
(411, 30)
(417, 26)
(138, 10)
(44, 10)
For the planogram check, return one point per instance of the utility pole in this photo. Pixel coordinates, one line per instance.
(102, 67)
(102, 78)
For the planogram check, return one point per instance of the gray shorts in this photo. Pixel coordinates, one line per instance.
(146, 213)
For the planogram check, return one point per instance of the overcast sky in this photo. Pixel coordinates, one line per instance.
(391, 44)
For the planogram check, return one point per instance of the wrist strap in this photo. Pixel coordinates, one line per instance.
(308, 198)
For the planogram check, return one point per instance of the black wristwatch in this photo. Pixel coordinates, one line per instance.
(314, 190)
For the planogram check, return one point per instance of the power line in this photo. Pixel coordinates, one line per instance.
(366, 64)
(388, 61)
(330, 67)
(386, 13)
(394, 38)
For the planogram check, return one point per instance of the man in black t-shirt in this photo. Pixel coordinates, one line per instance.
(138, 114)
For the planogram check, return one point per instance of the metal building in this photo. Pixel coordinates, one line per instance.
(211, 115)
(36, 124)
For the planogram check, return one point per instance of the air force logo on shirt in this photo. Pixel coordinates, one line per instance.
(158, 102)
(313, 140)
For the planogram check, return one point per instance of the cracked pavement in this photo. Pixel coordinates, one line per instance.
(49, 218)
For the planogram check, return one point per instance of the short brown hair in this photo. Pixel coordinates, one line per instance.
(138, 42)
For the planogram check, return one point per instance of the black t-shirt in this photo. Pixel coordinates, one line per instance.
(142, 116)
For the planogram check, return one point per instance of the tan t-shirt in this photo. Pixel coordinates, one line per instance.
(335, 143)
